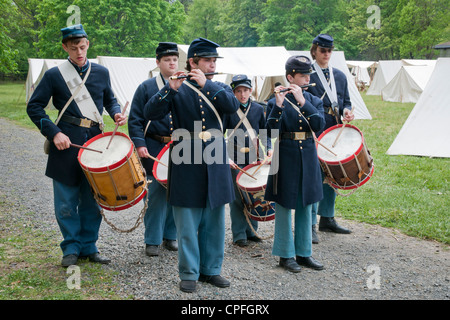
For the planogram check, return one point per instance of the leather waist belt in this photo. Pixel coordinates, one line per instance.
(162, 139)
(204, 135)
(85, 123)
(296, 135)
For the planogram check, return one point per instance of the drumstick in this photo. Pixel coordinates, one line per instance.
(261, 164)
(342, 129)
(245, 172)
(117, 126)
(154, 159)
(321, 144)
(81, 147)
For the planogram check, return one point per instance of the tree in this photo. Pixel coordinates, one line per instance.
(7, 53)
(240, 21)
(423, 24)
(203, 19)
(115, 27)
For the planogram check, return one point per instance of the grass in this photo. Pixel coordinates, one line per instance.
(408, 193)
(30, 264)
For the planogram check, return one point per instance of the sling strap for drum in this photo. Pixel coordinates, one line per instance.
(248, 127)
(74, 94)
(83, 98)
(331, 91)
(160, 83)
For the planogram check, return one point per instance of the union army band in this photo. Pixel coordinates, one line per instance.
(187, 111)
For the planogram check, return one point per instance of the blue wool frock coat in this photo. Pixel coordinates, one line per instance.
(63, 165)
(195, 180)
(298, 166)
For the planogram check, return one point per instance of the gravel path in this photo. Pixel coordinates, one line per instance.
(408, 268)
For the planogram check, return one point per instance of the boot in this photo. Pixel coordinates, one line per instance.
(330, 225)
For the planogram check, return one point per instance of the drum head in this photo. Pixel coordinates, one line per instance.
(120, 148)
(349, 143)
(245, 182)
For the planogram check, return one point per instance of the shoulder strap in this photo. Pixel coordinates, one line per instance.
(207, 101)
(160, 83)
(75, 93)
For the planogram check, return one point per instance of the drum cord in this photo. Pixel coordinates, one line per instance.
(247, 217)
(139, 220)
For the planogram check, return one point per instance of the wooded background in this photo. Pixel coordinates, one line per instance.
(363, 29)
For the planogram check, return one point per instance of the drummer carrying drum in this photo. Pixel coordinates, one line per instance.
(77, 212)
(150, 137)
(331, 87)
(244, 149)
(297, 183)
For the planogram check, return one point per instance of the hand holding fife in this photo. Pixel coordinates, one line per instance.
(175, 83)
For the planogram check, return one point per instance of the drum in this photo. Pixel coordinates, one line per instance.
(352, 166)
(253, 190)
(161, 169)
(116, 175)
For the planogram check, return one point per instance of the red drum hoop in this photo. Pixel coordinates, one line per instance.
(352, 165)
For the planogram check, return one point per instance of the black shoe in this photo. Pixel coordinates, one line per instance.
(69, 260)
(188, 285)
(215, 280)
(151, 250)
(290, 265)
(315, 237)
(330, 225)
(254, 239)
(241, 242)
(309, 262)
(96, 258)
(170, 245)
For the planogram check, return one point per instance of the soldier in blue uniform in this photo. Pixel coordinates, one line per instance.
(77, 212)
(243, 152)
(199, 183)
(331, 87)
(296, 181)
(150, 137)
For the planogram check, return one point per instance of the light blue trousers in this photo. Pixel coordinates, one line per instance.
(324, 207)
(78, 216)
(288, 244)
(201, 240)
(239, 225)
(158, 219)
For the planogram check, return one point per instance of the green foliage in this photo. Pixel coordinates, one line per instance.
(408, 28)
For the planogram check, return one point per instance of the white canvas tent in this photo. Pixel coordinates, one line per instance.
(386, 70)
(126, 75)
(360, 70)
(426, 132)
(338, 61)
(34, 70)
(264, 65)
(408, 84)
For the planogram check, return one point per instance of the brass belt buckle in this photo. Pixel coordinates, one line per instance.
(204, 135)
(300, 135)
(85, 123)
